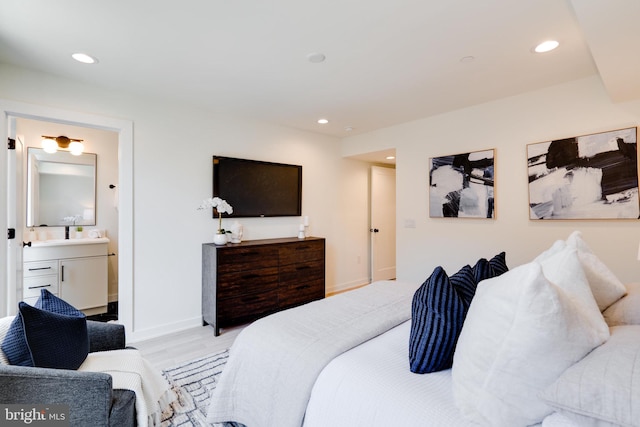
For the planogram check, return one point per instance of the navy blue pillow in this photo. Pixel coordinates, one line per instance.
(487, 269)
(15, 344)
(439, 308)
(55, 340)
(52, 303)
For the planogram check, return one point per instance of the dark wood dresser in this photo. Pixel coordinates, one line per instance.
(245, 281)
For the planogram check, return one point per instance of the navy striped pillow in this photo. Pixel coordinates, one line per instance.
(487, 269)
(439, 307)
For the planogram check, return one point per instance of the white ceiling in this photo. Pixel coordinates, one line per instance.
(387, 62)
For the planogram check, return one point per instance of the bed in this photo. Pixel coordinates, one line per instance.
(540, 346)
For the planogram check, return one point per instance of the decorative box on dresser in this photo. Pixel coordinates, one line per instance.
(245, 281)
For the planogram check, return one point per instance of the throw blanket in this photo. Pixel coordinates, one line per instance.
(130, 371)
(274, 362)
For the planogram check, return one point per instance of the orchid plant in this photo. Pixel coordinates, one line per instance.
(220, 205)
(72, 219)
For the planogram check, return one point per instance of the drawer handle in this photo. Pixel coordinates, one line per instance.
(41, 286)
(250, 298)
(303, 287)
(303, 267)
(40, 268)
(250, 276)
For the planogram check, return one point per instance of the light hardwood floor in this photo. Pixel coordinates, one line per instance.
(174, 349)
(171, 350)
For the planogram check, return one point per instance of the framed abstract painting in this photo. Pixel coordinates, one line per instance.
(585, 177)
(462, 185)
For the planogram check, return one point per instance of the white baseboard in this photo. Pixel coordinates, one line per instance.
(343, 287)
(164, 329)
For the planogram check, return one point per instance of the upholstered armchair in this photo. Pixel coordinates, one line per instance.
(91, 399)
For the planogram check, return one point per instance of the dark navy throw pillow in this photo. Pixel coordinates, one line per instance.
(55, 340)
(439, 308)
(487, 269)
(52, 303)
(15, 344)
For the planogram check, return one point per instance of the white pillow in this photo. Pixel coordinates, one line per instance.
(604, 387)
(5, 322)
(520, 334)
(625, 311)
(606, 287)
(564, 269)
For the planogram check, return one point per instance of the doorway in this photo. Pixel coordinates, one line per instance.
(124, 131)
(62, 184)
(383, 223)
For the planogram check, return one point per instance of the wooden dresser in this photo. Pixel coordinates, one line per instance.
(245, 281)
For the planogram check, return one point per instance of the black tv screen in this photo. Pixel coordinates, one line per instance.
(258, 189)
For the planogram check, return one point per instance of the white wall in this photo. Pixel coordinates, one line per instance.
(173, 146)
(577, 108)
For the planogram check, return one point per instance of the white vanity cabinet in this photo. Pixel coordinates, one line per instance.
(76, 270)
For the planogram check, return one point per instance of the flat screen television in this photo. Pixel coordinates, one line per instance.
(258, 189)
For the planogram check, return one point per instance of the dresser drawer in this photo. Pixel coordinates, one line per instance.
(300, 293)
(239, 259)
(293, 274)
(40, 268)
(247, 307)
(231, 285)
(300, 252)
(33, 285)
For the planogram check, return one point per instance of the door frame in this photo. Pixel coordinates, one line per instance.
(372, 236)
(124, 129)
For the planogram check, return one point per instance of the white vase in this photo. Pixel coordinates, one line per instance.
(236, 232)
(220, 239)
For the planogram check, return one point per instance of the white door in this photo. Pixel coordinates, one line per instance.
(383, 223)
(15, 219)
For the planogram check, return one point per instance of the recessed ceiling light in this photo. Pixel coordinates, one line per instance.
(323, 121)
(84, 58)
(316, 57)
(546, 46)
(390, 157)
(348, 128)
(467, 59)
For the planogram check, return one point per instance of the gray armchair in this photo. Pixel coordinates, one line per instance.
(91, 399)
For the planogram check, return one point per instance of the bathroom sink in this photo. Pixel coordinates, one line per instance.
(64, 242)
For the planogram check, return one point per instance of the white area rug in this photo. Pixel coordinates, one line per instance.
(194, 382)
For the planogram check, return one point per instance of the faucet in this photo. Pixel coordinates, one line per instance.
(66, 232)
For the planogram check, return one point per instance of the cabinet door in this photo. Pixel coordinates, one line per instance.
(83, 282)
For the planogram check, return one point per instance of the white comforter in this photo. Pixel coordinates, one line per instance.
(274, 363)
(371, 385)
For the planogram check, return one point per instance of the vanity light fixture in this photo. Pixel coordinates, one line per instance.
(51, 144)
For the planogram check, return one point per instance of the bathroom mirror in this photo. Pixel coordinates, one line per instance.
(61, 188)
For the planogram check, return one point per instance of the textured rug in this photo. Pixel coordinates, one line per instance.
(193, 383)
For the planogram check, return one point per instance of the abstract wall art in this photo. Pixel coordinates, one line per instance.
(585, 177)
(462, 185)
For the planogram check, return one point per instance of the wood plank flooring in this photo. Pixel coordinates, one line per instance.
(173, 349)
